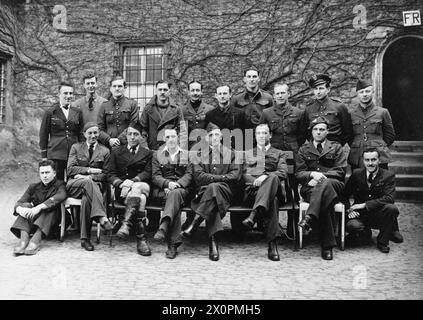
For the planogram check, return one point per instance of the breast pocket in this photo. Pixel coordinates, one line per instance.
(57, 125)
(357, 127)
(125, 115)
(375, 126)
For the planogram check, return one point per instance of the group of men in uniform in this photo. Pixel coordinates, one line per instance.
(206, 157)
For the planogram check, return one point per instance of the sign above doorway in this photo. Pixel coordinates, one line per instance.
(411, 18)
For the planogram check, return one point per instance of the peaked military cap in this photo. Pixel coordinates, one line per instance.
(317, 121)
(361, 84)
(319, 79)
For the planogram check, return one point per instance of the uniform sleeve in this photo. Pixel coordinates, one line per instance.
(157, 175)
(186, 179)
(302, 174)
(340, 166)
(72, 167)
(101, 121)
(135, 109)
(25, 200)
(144, 122)
(81, 126)
(346, 125)
(302, 128)
(58, 197)
(45, 133)
(388, 128)
(112, 173)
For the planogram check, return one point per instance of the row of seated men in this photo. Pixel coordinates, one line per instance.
(208, 178)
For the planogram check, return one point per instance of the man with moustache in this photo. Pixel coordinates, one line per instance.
(87, 172)
(252, 100)
(372, 127)
(216, 174)
(336, 113)
(129, 173)
(373, 189)
(320, 169)
(264, 171)
(61, 127)
(171, 177)
(91, 102)
(116, 114)
(162, 113)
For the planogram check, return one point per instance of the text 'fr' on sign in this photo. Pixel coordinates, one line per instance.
(411, 18)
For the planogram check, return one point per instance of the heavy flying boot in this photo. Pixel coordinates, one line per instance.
(142, 245)
(189, 232)
(213, 249)
(132, 205)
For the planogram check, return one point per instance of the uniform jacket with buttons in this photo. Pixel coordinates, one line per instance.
(89, 115)
(166, 170)
(153, 124)
(332, 162)
(51, 195)
(196, 119)
(115, 116)
(336, 113)
(287, 125)
(79, 161)
(380, 192)
(253, 106)
(124, 165)
(228, 118)
(373, 128)
(58, 134)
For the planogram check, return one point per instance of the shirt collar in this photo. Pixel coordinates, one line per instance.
(374, 173)
(94, 144)
(136, 149)
(322, 143)
(266, 147)
(178, 149)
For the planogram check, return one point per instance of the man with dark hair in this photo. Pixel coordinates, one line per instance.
(87, 171)
(130, 172)
(162, 113)
(91, 102)
(116, 114)
(336, 113)
(252, 100)
(372, 127)
(373, 189)
(38, 210)
(264, 170)
(321, 168)
(60, 128)
(172, 176)
(216, 175)
(195, 111)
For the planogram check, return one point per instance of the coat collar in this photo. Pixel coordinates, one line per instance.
(358, 111)
(171, 112)
(283, 111)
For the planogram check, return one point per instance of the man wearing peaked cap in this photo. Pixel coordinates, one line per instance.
(340, 126)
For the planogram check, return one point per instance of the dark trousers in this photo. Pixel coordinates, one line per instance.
(383, 219)
(265, 197)
(92, 203)
(322, 199)
(45, 221)
(60, 168)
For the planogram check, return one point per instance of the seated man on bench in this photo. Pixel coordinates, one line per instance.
(172, 176)
(264, 169)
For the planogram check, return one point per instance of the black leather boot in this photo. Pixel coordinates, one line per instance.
(132, 205)
(213, 249)
(142, 244)
(192, 228)
(272, 252)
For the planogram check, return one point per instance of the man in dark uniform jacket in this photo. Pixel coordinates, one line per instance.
(264, 171)
(38, 210)
(194, 112)
(162, 113)
(252, 100)
(130, 172)
(372, 127)
(373, 189)
(216, 174)
(336, 113)
(60, 128)
(116, 114)
(172, 176)
(321, 168)
(87, 171)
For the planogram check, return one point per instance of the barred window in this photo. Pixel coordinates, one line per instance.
(142, 68)
(2, 90)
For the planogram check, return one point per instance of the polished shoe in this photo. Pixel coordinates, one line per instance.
(306, 222)
(248, 223)
(32, 248)
(123, 231)
(106, 225)
(327, 254)
(171, 252)
(86, 243)
(192, 228)
(20, 248)
(383, 248)
(272, 252)
(160, 235)
(213, 249)
(396, 237)
(143, 247)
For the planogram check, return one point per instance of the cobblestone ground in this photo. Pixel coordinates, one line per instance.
(66, 271)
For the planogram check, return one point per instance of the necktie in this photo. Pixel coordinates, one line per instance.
(65, 107)
(319, 147)
(91, 150)
(90, 102)
(133, 150)
(370, 178)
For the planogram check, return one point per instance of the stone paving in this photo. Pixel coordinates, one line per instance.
(66, 271)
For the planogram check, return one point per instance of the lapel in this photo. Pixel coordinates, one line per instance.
(327, 147)
(312, 149)
(84, 150)
(96, 151)
(171, 113)
(59, 113)
(376, 179)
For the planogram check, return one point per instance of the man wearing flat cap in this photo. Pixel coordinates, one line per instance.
(336, 113)
(87, 173)
(320, 169)
(129, 173)
(216, 174)
(372, 127)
